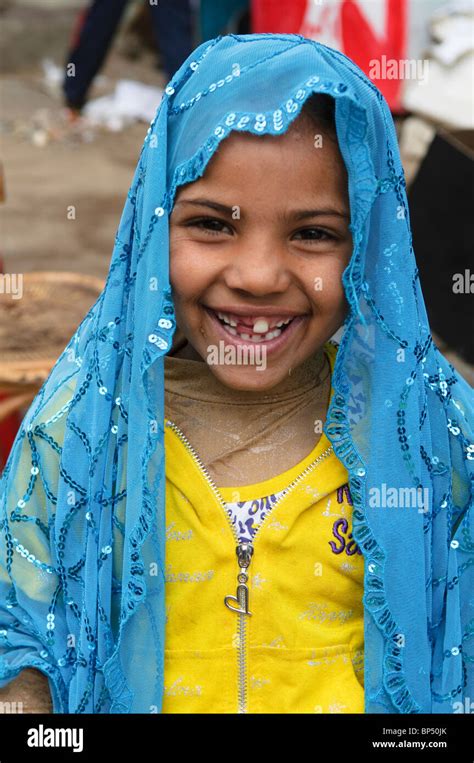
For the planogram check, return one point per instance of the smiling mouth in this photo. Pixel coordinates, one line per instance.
(253, 328)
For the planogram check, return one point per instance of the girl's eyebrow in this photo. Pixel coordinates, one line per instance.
(296, 215)
(207, 203)
(304, 213)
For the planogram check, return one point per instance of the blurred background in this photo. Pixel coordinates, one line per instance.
(80, 82)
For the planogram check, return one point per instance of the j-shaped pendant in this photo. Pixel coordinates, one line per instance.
(240, 602)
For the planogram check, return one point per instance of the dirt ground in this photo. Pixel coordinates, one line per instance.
(41, 183)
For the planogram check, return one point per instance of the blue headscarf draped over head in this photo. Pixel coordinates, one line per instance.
(82, 575)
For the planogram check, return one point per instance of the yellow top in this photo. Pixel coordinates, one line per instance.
(300, 650)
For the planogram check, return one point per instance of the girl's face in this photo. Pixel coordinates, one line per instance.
(257, 250)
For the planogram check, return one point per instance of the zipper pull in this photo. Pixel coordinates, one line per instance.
(244, 553)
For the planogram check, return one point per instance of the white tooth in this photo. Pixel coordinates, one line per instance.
(280, 323)
(256, 338)
(260, 326)
(231, 330)
(226, 319)
(245, 336)
(272, 335)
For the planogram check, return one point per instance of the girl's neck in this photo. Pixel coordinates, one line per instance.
(244, 437)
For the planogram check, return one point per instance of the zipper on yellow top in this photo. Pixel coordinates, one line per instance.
(244, 550)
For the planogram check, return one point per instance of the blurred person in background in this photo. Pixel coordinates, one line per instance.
(172, 23)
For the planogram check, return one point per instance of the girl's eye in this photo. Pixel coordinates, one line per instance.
(314, 234)
(210, 225)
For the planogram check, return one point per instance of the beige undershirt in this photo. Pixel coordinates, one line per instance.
(246, 437)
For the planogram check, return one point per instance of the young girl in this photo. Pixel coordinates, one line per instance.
(244, 516)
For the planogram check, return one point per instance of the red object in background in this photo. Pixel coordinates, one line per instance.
(278, 16)
(344, 25)
(8, 430)
(10, 425)
(363, 46)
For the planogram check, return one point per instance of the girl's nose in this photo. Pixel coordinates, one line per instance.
(257, 267)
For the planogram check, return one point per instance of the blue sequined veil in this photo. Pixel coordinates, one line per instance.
(82, 496)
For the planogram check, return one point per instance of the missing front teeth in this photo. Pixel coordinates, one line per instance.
(262, 334)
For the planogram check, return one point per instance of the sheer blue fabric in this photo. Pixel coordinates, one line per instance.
(82, 576)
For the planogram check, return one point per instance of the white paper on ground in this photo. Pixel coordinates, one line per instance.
(131, 101)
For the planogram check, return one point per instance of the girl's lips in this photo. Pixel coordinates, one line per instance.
(271, 345)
